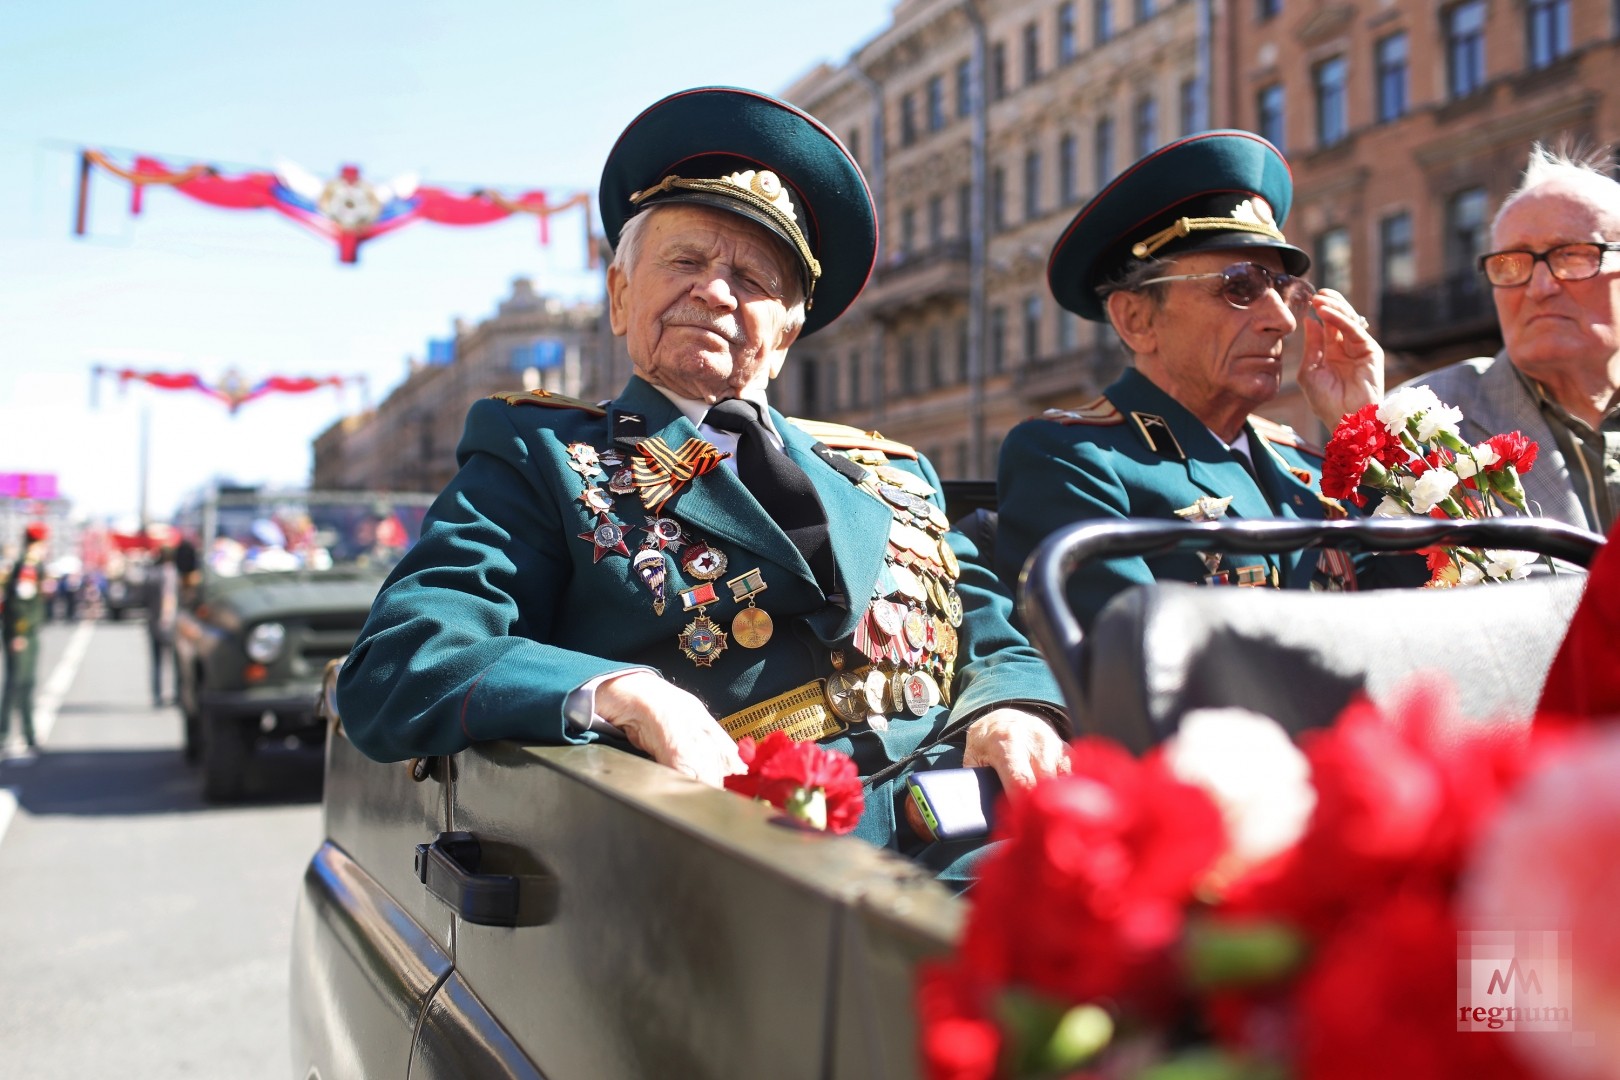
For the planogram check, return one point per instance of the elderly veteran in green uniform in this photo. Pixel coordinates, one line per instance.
(683, 565)
(1184, 254)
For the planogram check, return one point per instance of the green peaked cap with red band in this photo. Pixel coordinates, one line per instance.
(753, 155)
(1214, 190)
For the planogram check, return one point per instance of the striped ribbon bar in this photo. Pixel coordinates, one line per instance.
(660, 472)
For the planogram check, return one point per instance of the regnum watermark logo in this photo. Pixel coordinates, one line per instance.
(1513, 978)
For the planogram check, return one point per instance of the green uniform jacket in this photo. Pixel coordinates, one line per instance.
(501, 609)
(1138, 453)
(22, 616)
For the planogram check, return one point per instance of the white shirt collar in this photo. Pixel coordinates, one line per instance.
(695, 411)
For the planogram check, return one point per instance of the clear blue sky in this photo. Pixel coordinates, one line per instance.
(509, 94)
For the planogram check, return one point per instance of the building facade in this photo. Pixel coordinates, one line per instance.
(982, 126)
(1406, 123)
(408, 442)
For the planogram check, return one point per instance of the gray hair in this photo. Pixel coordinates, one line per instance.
(628, 252)
(1589, 167)
(1132, 278)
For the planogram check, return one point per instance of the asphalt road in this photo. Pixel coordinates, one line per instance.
(143, 933)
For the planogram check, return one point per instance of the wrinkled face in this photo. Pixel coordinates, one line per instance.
(1212, 356)
(704, 311)
(1552, 326)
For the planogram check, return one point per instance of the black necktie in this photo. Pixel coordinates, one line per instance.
(782, 488)
(1248, 466)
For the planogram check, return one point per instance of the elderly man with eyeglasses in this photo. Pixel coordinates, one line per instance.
(1556, 282)
(1183, 254)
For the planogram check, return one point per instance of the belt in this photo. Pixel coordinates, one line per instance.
(825, 707)
(802, 712)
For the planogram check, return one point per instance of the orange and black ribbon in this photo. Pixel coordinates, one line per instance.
(660, 472)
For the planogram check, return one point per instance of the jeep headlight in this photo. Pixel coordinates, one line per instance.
(264, 642)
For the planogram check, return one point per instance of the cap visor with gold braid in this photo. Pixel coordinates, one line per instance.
(752, 155)
(1215, 190)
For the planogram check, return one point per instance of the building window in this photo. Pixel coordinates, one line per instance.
(962, 460)
(828, 381)
(1102, 21)
(1068, 331)
(1032, 327)
(809, 386)
(936, 359)
(1032, 53)
(853, 143)
(1465, 48)
(1032, 185)
(1068, 169)
(998, 339)
(908, 119)
(1269, 115)
(1267, 9)
(1102, 155)
(1466, 227)
(1332, 260)
(1397, 264)
(1189, 106)
(1391, 53)
(964, 88)
(998, 71)
(961, 350)
(1147, 125)
(936, 103)
(1547, 31)
(964, 211)
(998, 199)
(1332, 102)
(1144, 10)
(936, 220)
(855, 381)
(908, 366)
(1068, 41)
(908, 230)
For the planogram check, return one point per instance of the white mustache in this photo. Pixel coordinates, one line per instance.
(690, 314)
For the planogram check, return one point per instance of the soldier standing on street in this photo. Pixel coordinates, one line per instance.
(20, 618)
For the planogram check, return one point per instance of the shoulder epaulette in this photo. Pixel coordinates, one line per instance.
(1099, 412)
(548, 399)
(1283, 435)
(844, 437)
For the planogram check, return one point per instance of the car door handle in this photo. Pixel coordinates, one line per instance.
(449, 868)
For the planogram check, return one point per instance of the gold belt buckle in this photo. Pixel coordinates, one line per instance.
(801, 712)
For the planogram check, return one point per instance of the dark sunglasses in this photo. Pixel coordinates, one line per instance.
(1243, 283)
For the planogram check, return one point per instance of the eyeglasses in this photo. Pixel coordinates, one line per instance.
(1566, 262)
(1245, 282)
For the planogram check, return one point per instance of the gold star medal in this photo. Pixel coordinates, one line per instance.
(752, 627)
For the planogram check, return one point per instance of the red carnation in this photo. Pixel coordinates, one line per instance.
(1088, 890)
(1359, 439)
(1381, 1000)
(819, 787)
(960, 1038)
(1513, 448)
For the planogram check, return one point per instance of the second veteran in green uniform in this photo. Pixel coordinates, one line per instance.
(683, 565)
(1184, 255)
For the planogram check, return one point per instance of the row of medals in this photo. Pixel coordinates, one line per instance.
(908, 632)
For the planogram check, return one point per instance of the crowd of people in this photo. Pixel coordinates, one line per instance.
(684, 566)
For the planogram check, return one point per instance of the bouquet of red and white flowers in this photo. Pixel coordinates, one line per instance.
(1409, 450)
(1232, 906)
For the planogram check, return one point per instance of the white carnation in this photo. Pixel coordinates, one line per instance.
(1431, 488)
(1403, 404)
(1507, 565)
(1440, 418)
(1390, 507)
(1255, 774)
(1469, 574)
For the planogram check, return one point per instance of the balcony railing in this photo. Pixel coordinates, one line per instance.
(915, 278)
(1436, 313)
(1070, 374)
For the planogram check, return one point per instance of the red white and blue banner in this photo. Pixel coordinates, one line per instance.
(232, 389)
(347, 208)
